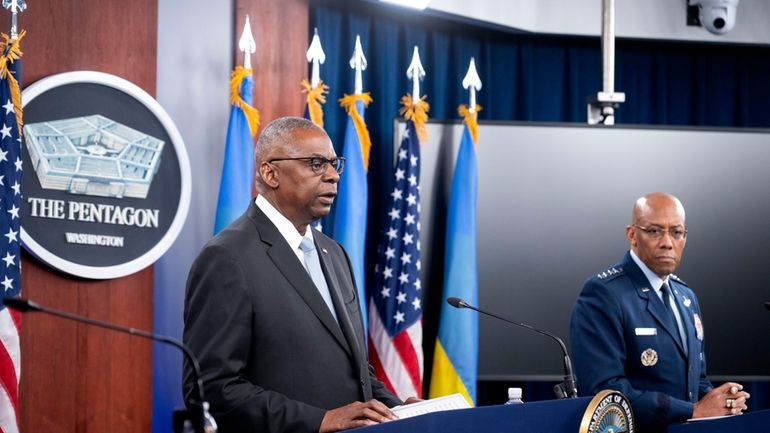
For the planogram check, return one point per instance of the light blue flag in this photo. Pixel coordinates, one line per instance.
(456, 359)
(238, 166)
(352, 204)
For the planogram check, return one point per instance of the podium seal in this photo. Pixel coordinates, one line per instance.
(608, 412)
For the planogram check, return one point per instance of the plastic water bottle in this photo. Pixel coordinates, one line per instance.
(514, 396)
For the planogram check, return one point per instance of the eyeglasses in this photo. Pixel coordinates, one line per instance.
(318, 163)
(655, 232)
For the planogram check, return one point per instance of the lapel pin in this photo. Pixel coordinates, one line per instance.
(645, 289)
(687, 302)
(324, 250)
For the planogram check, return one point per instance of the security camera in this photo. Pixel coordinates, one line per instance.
(718, 16)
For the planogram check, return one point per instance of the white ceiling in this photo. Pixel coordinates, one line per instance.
(649, 19)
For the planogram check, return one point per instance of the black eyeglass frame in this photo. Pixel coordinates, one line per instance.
(651, 232)
(318, 163)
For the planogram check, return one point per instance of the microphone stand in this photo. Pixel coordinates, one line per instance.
(564, 389)
(203, 423)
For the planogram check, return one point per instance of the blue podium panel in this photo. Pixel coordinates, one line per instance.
(753, 422)
(535, 417)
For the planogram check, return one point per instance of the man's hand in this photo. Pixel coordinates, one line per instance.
(411, 400)
(728, 399)
(354, 415)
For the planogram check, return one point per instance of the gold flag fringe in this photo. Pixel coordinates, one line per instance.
(471, 119)
(349, 103)
(315, 97)
(417, 112)
(12, 52)
(251, 113)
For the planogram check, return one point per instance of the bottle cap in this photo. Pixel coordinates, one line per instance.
(514, 393)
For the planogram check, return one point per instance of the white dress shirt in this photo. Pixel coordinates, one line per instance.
(285, 227)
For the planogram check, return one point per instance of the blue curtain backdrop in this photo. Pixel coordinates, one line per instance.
(526, 77)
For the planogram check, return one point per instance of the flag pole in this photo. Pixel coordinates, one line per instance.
(316, 89)
(247, 44)
(358, 63)
(15, 7)
(415, 72)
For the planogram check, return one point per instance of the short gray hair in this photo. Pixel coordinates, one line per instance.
(278, 132)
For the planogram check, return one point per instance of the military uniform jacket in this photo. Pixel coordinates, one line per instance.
(272, 356)
(622, 339)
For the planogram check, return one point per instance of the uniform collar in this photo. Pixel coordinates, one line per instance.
(655, 281)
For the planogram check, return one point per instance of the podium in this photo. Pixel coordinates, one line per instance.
(532, 417)
(752, 422)
(558, 416)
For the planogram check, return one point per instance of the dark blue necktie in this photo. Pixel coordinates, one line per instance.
(665, 295)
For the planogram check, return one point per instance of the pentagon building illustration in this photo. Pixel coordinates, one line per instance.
(93, 155)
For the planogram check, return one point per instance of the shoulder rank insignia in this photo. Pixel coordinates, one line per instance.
(677, 279)
(609, 272)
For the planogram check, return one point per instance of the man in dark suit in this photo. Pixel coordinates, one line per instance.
(637, 328)
(271, 306)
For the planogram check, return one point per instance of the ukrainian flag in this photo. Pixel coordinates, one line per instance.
(353, 192)
(455, 358)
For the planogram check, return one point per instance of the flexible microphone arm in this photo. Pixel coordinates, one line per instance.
(26, 306)
(568, 387)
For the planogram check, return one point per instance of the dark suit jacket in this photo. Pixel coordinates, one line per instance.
(616, 306)
(272, 356)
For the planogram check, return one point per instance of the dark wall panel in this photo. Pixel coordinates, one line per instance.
(280, 28)
(553, 204)
(74, 377)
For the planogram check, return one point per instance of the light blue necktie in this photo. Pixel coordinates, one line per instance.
(313, 266)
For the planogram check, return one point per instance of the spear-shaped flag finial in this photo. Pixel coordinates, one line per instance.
(415, 72)
(316, 56)
(14, 6)
(247, 44)
(472, 82)
(358, 62)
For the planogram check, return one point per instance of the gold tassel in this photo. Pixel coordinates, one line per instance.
(349, 103)
(471, 120)
(12, 53)
(315, 97)
(251, 113)
(417, 112)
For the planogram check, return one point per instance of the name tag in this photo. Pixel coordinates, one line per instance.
(646, 331)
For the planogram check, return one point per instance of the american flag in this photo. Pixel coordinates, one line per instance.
(395, 312)
(10, 251)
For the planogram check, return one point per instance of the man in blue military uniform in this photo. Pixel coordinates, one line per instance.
(637, 328)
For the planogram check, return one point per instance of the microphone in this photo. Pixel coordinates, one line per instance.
(203, 424)
(566, 388)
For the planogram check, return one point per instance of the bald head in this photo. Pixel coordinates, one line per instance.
(657, 234)
(654, 202)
